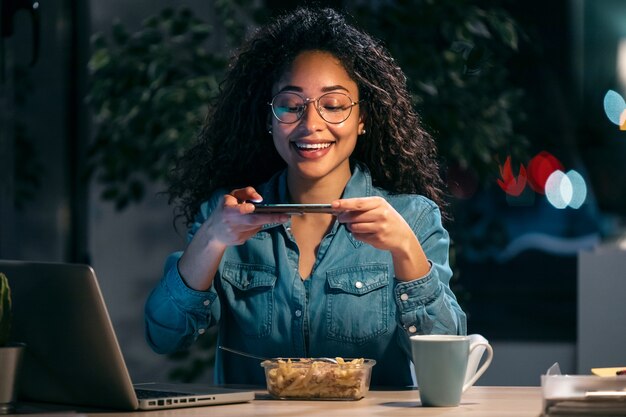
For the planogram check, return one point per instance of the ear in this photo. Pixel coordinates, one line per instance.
(361, 127)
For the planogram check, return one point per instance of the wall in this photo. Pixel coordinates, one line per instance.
(128, 251)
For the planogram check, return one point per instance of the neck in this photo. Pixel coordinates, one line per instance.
(319, 190)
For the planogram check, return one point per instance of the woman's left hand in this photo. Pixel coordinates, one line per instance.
(374, 221)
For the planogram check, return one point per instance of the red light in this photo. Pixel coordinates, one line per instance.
(540, 168)
(511, 185)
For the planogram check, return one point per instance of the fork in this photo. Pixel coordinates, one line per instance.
(261, 358)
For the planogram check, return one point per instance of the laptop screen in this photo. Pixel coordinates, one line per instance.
(72, 355)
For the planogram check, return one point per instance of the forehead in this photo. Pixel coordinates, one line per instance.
(312, 71)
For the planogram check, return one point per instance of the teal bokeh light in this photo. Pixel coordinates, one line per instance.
(563, 190)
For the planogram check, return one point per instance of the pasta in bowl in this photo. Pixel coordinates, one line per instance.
(348, 379)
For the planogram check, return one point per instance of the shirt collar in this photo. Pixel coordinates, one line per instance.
(275, 190)
(359, 185)
(360, 182)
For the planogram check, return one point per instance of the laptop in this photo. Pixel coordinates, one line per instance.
(72, 355)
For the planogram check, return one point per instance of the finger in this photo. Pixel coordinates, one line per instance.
(244, 214)
(357, 204)
(247, 193)
(230, 200)
(235, 202)
(358, 216)
(232, 206)
(358, 228)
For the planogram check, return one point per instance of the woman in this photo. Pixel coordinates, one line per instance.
(312, 111)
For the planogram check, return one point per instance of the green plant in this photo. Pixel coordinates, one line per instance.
(5, 310)
(149, 91)
(455, 55)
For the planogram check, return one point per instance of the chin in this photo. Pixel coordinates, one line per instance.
(315, 171)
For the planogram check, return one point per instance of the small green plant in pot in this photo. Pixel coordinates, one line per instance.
(5, 310)
(10, 353)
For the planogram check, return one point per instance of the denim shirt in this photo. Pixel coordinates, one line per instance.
(350, 306)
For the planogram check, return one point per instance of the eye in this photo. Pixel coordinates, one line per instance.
(333, 103)
(333, 108)
(295, 108)
(288, 109)
(288, 103)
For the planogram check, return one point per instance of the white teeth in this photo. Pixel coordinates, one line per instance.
(313, 145)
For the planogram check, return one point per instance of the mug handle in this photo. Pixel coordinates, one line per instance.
(485, 365)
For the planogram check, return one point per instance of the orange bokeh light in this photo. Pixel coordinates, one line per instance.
(511, 185)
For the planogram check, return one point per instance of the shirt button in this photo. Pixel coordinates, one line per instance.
(206, 302)
(298, 313)
(412, 329)
(404, 297)
(201, 331)
(358, 284)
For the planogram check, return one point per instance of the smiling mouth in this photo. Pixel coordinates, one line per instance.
(312, 146)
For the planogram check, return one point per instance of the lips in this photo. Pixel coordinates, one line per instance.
(312, 146)
(312, 150)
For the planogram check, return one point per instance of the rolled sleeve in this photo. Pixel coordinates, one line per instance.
(427, 305)
(177, 315)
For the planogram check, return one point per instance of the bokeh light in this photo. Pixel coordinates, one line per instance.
(563, 190)
(545, 175)
(513, 186)
(540, 168)
(615, 107)
(558, 189)
(579, 189)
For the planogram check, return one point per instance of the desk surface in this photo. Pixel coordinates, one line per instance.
(477, 402)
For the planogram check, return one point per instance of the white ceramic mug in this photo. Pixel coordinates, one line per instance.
(447, 365)
(481, 344)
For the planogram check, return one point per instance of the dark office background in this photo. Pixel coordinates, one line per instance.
(514, 286)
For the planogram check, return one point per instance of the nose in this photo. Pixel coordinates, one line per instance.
(311, 119)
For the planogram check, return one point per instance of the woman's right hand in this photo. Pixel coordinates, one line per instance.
(231, 223)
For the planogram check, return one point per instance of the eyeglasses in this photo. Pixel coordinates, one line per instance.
(288, 107)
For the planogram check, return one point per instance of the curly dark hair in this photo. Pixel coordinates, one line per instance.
(234, 150)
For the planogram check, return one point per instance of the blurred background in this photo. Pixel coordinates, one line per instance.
(525, 100)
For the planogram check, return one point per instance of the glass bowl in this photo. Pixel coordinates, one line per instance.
(310, 378)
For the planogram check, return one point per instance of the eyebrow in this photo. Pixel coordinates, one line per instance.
(324, 89)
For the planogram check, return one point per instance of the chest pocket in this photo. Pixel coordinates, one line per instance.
(357, 303)
(249, 291)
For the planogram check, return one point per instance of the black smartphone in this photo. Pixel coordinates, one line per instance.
(293, 208)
